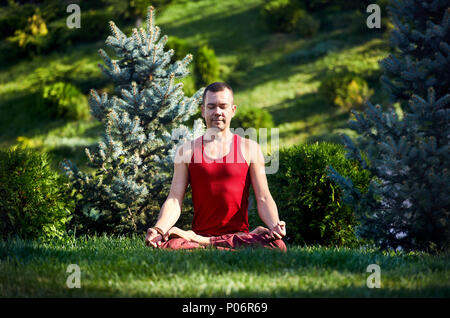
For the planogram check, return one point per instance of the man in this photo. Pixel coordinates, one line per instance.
(219, 167)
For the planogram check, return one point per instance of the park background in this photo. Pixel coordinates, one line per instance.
(301, 73)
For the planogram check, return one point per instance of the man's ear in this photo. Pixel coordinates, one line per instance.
(234, 107)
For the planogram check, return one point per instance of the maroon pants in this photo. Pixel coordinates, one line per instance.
(229, 242)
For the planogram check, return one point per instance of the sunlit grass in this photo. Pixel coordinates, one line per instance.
(125, 267)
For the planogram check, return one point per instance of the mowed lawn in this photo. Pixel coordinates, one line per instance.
(125, 267)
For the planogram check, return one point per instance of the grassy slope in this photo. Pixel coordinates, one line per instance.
(288, 91)
(121, 267)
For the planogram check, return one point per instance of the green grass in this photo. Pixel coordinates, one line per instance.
(124, 267)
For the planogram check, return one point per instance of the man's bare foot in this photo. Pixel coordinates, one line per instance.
(260, 230)
(190, 236)
(176, 232)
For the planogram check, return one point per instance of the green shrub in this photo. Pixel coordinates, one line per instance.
(180, 46)
(278, 15)
(353, 94)
(34, 200)
(304, 24)
(252, 117)
(289, 16)
(335, 5)
(127, 10)
(206, 66)
(318, 5)
(32, 39)
(60, 36)
(83, 74)
(94, 26)
(308, 201)
(14, 17)
(63, 100)
(345, 90)
(10, 53)
(189, 87)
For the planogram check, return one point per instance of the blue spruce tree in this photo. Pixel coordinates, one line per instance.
(407, 203)
(421, 39)
(143, 128)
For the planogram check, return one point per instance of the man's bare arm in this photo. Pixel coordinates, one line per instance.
(267, 209)
(171, 209)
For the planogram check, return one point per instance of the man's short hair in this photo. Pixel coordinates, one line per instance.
(217, 87)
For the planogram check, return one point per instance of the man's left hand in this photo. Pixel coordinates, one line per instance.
(278, 231)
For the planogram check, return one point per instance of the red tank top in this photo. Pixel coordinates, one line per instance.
(220, 190)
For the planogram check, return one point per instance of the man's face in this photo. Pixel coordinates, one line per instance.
(218, 109)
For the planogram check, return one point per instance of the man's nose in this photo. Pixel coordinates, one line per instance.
(217, 111)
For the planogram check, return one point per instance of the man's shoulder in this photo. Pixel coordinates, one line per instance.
(248, 141)
(250, 149)
(185, 151)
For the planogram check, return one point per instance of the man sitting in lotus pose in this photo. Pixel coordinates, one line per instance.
(219, 166)
(179, 239)
(202, 240)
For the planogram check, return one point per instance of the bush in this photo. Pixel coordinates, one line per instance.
(63, 100)
(345, 90)
(94, 26)
(308, 201)
(289, 16)
(14, 17)
(128, 10)
(180, 46)
(33, 37)
(277, 14)
(60, 36)
(353, 94)
(10, 53)
(335, 5)
(34, 200)
(252, 117)
(206, 66)
(304, 24)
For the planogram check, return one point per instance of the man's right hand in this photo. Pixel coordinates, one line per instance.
(278, 231)
(153, 238)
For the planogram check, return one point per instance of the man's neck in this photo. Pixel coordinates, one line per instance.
(218, 136)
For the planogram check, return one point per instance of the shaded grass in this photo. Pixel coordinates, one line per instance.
(21, 121)
(124, 267)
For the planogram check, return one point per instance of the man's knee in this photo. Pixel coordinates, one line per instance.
(179, 243)
(279, 244)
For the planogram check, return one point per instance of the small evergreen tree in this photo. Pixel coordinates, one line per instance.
(206, 66)
(134, 160)
(34, 200)
(421, 39)
(407, 203)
